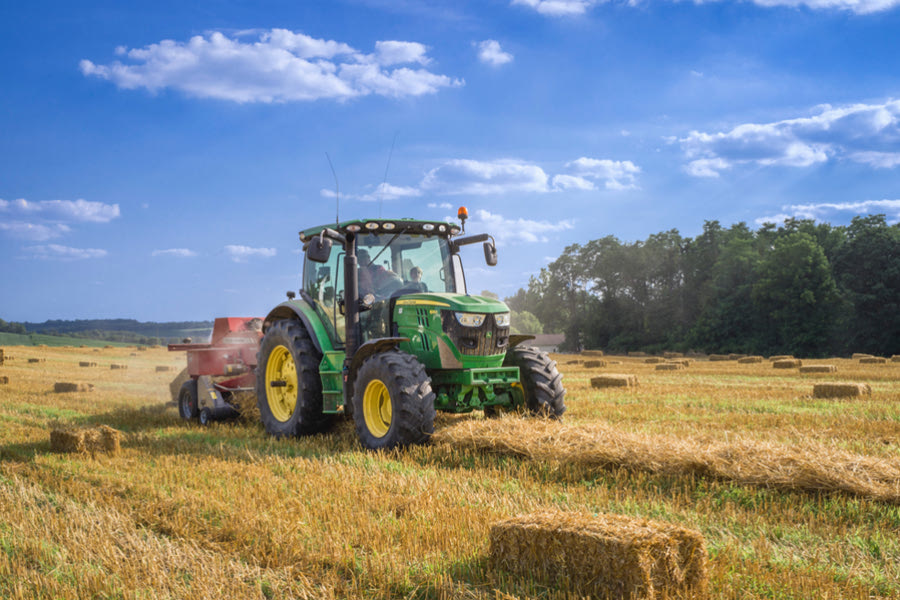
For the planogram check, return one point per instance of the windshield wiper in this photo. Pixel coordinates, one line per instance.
(386, 246)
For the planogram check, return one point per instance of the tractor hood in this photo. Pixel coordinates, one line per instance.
(455, 302)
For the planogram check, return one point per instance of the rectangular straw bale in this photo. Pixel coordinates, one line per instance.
(718, 357)
(780, 357)
(98, 439)
(115, 366)
(594, 353)
(858, 355)
(603, 556)
(841, 390)
(87, 363)
(749, 360)
(62, 387)
(673, 355)
(654, 360)
(637, 354)
(614, 380)
(895, 358)
(872, 360)
(788, 363)
(4, 379)
(680, 361)
(670, 366)
(594, 364)
(819, 369)
(34, 360)
(163, 368)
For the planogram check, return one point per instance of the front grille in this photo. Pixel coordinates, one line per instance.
(486, 340)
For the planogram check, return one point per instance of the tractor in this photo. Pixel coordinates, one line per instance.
(383, 330)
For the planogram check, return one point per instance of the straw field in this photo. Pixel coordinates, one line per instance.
(794, 496)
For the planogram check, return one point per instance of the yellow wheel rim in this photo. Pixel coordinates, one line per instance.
(282, 372)
(377, 409)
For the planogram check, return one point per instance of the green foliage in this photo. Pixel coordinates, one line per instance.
(524, 322)
(804, 288)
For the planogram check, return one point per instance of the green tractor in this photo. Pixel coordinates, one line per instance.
(384, 330)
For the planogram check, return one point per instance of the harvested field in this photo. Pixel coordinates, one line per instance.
(592, 353)
(614, 380)
(873, 360)
(818, 369)
(750, 360)
(603, 555)
(788, 363)
(841, 390)
(594, 364)
(672, 366)
(4, 379)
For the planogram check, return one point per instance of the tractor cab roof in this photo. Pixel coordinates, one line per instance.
(440, 228)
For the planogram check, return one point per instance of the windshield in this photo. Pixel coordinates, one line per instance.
(406, 262)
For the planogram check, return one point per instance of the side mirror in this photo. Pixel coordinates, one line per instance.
(319, 249)
(490, 254)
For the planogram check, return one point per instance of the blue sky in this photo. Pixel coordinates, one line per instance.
(157, 159)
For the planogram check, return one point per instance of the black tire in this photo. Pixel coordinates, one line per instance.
(289, 338)
(396, 382)
(205, 416)
(541, 381)
(187, 400)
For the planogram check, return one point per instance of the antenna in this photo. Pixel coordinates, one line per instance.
(337, 193)
(388, 166)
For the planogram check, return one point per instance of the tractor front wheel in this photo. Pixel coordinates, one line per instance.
(288, 388)
(187, 400)
(540, 380)
(393, 404)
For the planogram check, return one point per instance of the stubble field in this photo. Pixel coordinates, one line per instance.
(797, 497)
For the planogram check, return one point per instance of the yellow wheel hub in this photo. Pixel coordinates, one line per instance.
(377, 408)
(281, 383)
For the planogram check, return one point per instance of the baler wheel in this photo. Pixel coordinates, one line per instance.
(187, 400)
(541, 381)
(288, 387)
(205, 416)
(393, 404)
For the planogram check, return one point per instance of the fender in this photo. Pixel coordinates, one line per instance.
(516, 339)
(301, 309)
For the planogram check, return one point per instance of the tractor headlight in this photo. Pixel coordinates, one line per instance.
(469, 319)
(501, 319)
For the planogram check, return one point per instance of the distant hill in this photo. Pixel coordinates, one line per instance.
(116, 330)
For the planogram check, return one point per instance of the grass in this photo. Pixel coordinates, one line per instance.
(228, 512)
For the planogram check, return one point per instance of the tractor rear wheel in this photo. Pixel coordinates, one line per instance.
(393, 404)
(288, 388)
(541, 381)
(187, 400)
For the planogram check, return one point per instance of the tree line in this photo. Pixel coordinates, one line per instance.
(804, 288)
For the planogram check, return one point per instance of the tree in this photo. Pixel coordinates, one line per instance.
(525, 322)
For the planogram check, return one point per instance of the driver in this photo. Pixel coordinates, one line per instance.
(375, 279)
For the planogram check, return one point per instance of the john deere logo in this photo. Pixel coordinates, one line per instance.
(489, 334)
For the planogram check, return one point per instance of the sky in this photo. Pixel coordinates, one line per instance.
(157, 159)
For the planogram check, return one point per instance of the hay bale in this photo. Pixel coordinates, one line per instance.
(670, 366)
(895, 358)
(143, 348)
(603, 556)
(74, 440)
(841, 390)
(858, 355)
(653, 360)
(718, 357)
(680, 361)
(749, 360)
(62, 387)
(594, 353)
(2, 356)
(163, 368)
(34, 360)
(614, 380)
(872, 360)
(114, 366)
(175, 384)
(87, 363)
(673, 355)
(572, 362)
(594, 364)
(780, 357)
(788, 363)
(4, 379)
(133, 354)
(819, 369)
(637, 354)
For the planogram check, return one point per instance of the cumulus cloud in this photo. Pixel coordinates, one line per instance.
(572, 182)
(175, 252)
(57, 252)
(490, 53)
(828, 210)
(515, 230)
(35, 232)
(242, 254)
(279, 66)
(472, 177)
(862, 133)
(557, 8)
(383, 191)
(615, 174)
(64, 210)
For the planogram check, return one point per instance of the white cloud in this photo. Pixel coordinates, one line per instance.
(244, 253)
(280, 66)
(557, 8)
(465, 176)
(175, 252)
(863, 133)
(490, 53)
(35, 232)
(515, 230)
(57, 252)
(383, 191)
(827, 210)
(442, 205)
(64, 210)
(572, 182)
(615, 174)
